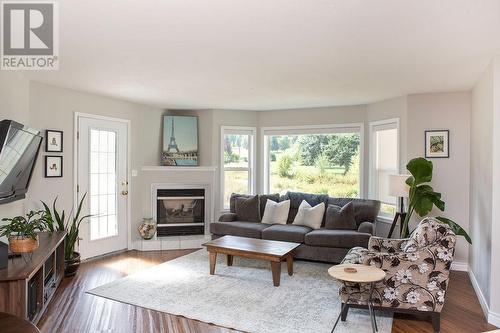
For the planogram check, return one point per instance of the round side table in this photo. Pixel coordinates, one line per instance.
(355, 273)
(13, 324)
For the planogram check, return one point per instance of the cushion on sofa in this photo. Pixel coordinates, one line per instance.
(263, 201)
(228, 217)
(310, 216)
(262, 198)
(286, 233)
(337, 238)
(365, 210)
(276, 212)
(238, 228)
(296, 199)
(247, 209)
(340, 218)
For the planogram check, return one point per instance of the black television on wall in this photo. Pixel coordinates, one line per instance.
(19, 146)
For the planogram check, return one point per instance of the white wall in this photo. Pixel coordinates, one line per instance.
(449, 111)
(54, 108)
(485, 191)
(481, 164)
(14, 105)
(494, 314)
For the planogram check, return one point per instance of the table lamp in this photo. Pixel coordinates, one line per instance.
(398, 189)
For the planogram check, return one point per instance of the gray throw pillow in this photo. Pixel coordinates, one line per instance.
(340, 217)
(247, 209)
(263, 201)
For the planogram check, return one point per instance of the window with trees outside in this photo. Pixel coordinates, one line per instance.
(238, 162)
(314, 160)
(384, 161)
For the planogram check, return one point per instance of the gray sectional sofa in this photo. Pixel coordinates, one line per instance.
(328, 245)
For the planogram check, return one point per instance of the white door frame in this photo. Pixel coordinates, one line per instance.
(75, 165)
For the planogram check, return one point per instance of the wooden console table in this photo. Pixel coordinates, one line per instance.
(28, 283)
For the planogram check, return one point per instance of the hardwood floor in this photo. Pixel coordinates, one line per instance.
(72, 310)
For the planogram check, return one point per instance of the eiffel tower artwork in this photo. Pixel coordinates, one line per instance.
(180, 141)
(172, 144)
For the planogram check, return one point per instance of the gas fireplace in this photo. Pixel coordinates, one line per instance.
(180, 212)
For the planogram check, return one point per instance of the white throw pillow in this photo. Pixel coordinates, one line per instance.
(310, 216)
(276, 212)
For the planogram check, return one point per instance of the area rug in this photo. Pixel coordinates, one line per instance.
(242, 297)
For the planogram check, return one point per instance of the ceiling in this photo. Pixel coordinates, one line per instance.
(272, 54)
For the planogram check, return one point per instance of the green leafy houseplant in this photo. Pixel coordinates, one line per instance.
(24, 227)
(22, 231)
(56, 221)
(422, 197)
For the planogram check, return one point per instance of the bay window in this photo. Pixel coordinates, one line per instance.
(384, 161)
(323, 159)
(237, 162)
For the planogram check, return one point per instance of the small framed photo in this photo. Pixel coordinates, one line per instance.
(53, 141)
(437, 144)
(53, 166)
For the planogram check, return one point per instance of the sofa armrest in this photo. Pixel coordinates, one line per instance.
(389, 245)
(366, 227)
(228, 217)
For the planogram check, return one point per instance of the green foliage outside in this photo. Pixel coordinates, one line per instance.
(311, 179)
(285, 164)
(337, 149)
(327, 164)
(230, 157)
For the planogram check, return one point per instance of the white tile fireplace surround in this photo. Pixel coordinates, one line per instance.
(167, 190)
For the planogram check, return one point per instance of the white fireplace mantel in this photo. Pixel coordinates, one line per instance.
(154, 177)
(179, 168)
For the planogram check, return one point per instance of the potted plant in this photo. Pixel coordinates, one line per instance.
(422, 197)
(56, 222)
(22, 231)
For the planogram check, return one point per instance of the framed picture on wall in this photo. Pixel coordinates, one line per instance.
(53, 141)
(180, 141)
(53, 166)
(437, 144)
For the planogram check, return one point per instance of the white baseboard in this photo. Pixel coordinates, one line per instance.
(460, 266)
(494, 318)
(491, 317)
(171, 243)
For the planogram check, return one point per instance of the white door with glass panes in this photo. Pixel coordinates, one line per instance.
(102, 176)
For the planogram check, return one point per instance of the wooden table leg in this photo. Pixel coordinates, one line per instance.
(276, 270)
(229, 260)
(289, 263)
(213, 260)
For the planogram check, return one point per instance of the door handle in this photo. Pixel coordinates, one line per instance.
(124, 192)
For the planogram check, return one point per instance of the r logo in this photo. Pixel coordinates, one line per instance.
(28, 29)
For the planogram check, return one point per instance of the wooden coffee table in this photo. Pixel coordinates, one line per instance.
(273, 251)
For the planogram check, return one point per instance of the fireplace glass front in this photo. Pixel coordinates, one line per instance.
(180, 212)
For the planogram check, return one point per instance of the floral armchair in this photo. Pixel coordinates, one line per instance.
(417, 271)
